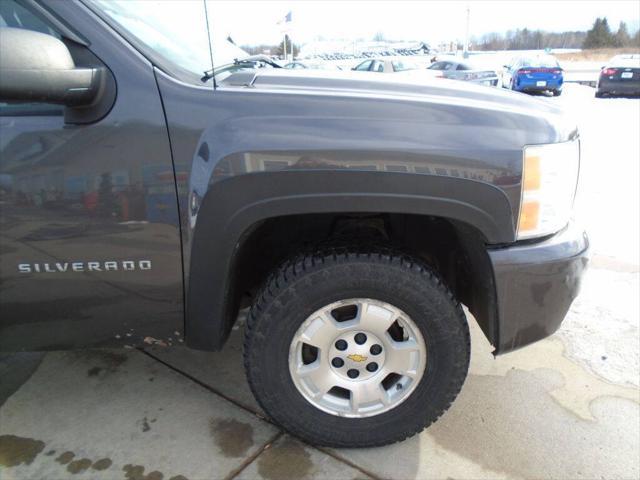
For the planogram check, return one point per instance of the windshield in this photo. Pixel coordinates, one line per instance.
(399, 66)
(172, 32)
(546, 62)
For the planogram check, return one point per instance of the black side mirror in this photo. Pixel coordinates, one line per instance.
(35, 67)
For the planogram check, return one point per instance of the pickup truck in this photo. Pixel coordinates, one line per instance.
(148, 194)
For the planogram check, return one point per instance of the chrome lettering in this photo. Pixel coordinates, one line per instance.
(93, 266)
(110, 266)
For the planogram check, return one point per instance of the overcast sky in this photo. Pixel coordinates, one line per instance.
(253, 22)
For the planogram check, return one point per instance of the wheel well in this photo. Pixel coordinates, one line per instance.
(456, 251)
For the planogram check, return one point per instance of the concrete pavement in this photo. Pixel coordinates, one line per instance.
(175, 414)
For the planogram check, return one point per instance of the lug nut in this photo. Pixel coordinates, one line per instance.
(337, 362)
(360, 338)
(375, 349)
(341, 345)
(372, 367)
(353, 373)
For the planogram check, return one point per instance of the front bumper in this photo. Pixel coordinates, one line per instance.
(535, 285)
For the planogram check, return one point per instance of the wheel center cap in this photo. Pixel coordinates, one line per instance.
(357, 355)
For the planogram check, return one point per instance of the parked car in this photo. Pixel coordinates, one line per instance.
(538, 73)
(295, 65)
(620, 76)
(143, 202)
(449, 69)
(463, 70)
(383, 65)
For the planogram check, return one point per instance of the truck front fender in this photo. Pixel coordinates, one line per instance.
(232, 207)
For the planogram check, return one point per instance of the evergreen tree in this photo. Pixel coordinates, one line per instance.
(600, 35)
(622, 38)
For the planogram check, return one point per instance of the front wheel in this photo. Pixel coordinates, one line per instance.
(355, 349)
(557, 93)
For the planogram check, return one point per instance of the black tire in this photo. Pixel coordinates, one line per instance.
(309, 282)
(557, 93)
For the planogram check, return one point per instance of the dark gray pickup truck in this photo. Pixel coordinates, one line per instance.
(150, 191)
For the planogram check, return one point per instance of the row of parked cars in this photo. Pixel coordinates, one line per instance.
(620, 76)
(528, 73)
(371, 54)
(524, 73)
(451, 68)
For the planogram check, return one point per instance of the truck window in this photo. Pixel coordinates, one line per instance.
(173, 34)
(15, 15)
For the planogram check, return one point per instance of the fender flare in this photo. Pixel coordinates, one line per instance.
(232, 207)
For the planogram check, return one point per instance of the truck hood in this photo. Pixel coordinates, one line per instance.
(413, 88)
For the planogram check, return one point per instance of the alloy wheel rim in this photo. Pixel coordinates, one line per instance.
(357, 358)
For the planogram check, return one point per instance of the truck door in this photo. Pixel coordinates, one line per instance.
(89, 219)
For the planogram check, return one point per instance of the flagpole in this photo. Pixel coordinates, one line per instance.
(286, 21)
(284, 44)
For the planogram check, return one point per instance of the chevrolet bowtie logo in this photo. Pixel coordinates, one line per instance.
(356, 357)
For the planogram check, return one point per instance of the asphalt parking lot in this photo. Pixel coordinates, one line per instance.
(565, 407)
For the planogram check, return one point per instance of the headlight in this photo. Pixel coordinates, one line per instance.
(549, 179)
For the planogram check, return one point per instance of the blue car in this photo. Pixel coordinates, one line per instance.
(534, 74)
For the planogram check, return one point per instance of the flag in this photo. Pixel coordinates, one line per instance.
(286, 19)
(286, 23)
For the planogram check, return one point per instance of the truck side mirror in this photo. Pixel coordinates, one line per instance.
(35, 67)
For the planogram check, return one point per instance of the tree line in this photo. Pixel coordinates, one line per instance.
(599, 36)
